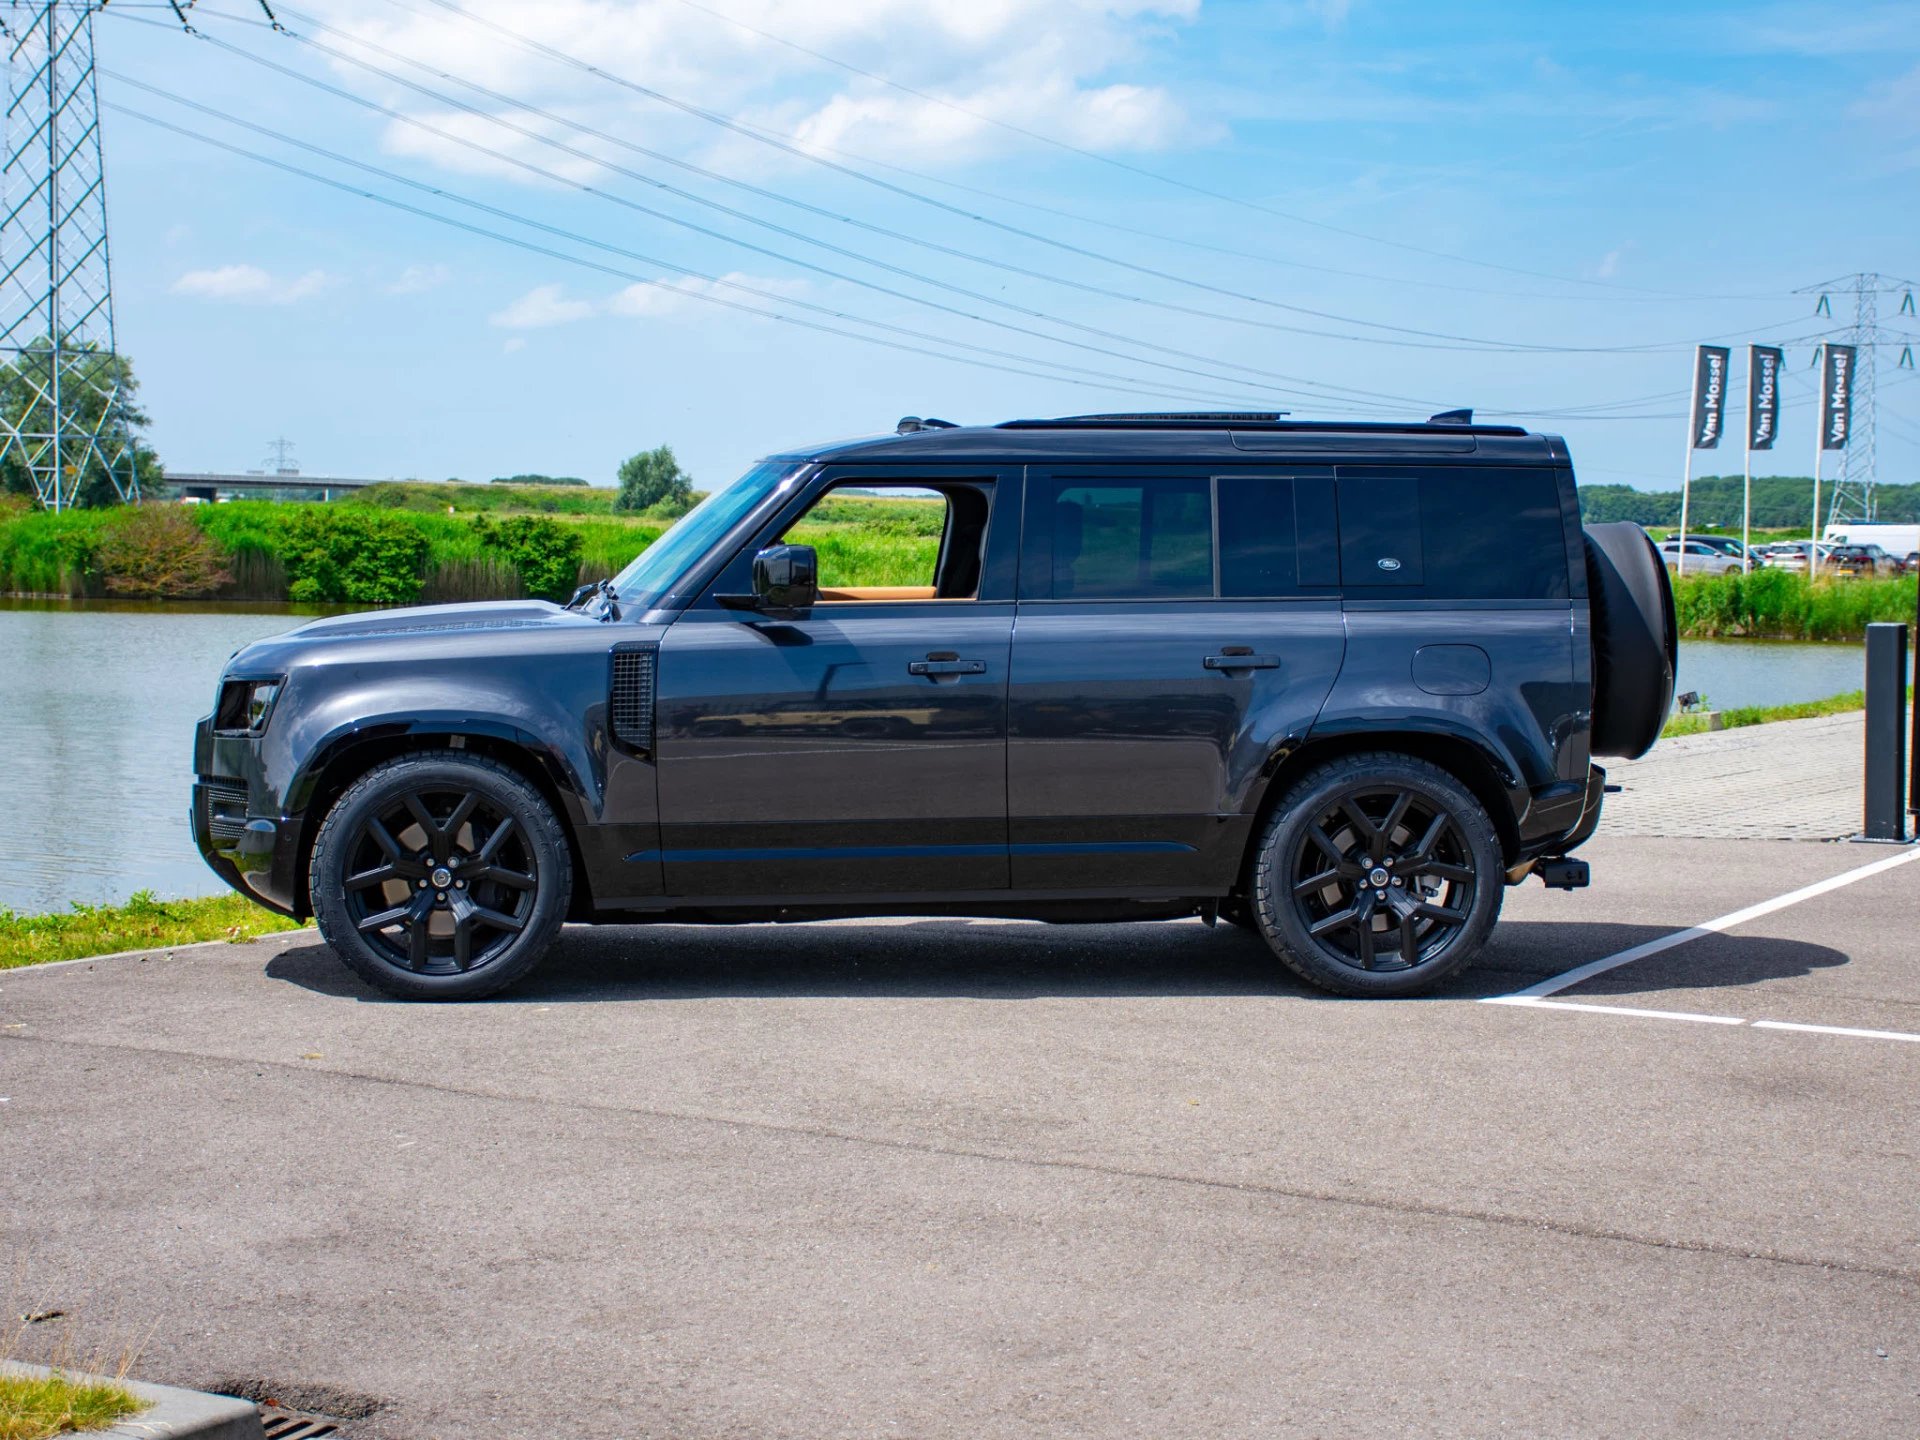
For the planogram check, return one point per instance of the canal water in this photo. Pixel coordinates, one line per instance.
(98, 701)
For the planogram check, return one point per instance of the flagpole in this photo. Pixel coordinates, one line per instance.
(1746, 490)
(1819, 422)
(1686, 479)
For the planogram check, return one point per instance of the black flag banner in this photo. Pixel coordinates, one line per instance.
(1836, 396)
(1763, 396)
(1709, 396)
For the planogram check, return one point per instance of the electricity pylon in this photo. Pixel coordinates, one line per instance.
(63, 406)
(1853, 499)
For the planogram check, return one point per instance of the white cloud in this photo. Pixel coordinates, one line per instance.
(541, 307)
(250, 285)
(546, 306)
(665, 297)
(514, 343)
(417, 278)
(1082, 70)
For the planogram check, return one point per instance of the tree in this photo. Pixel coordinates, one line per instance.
(536, 480)
(651, 478)
(23, 387)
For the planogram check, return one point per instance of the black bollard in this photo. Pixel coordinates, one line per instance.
(1886, 807)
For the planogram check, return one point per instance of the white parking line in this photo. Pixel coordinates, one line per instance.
(1534, 996)
(1836, 1030)
(1569, 978)
(1535, 1004)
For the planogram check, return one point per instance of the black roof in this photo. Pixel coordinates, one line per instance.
(1174, 437)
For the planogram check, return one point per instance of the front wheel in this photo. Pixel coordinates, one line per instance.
(440, 877)
(1379, 874)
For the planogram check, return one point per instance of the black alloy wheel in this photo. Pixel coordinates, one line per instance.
(1383, 878)
(440, 876)
(439, 881)
(1379, 875)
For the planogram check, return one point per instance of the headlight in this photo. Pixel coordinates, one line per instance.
(245, 706)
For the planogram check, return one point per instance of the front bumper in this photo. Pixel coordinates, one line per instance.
(247, 844)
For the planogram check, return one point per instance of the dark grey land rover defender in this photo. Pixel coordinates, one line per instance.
(1339, 684)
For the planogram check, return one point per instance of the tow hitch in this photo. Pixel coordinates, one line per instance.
(1564, 874)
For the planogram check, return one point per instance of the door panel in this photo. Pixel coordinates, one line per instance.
(1135, 739)
(860, 750)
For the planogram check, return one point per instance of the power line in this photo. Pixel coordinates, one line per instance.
(1416, 338)
(1113, 161)
(559, 179)
(1058, 373)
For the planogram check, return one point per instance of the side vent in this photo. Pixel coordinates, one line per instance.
(630, 702)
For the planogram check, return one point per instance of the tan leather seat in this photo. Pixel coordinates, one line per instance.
(878, 592)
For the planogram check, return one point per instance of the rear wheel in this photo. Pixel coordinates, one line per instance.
(440, 877)
(1379, 874)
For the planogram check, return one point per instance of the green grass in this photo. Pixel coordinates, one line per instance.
(1777, 605)
(142, 923)
(38, 1407)
(1764, 714)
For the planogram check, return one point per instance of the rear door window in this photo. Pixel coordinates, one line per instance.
(1182, 537)
(1278, 535)
(1149, 539)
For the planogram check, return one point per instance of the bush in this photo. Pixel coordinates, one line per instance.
(156, 552)
(651, 478)
(359, 557)
(544, 553)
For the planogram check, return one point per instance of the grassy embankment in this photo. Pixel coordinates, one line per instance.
(398, 544)
(142, 923)
(1765, 714)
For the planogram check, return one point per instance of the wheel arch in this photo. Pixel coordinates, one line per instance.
(345, 758)
(1482, 771)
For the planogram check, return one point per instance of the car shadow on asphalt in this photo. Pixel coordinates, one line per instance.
(971, 959)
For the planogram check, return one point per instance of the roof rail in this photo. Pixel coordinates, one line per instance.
(1451, 421)
(909, 424)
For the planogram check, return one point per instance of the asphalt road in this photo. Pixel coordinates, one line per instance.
(936, 1178)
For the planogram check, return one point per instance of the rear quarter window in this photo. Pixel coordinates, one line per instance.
(1452, 534)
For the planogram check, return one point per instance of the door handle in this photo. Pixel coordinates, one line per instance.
(1240, 657)
(946, 667)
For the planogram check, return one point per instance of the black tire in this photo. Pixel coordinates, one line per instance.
(1636, 646)
(463, 861)
(1410, 876)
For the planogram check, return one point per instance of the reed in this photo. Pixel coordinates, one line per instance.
(1778, 605)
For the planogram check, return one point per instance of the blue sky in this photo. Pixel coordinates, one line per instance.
(1610, 183)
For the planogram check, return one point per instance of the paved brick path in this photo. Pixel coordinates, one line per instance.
(1791, 780)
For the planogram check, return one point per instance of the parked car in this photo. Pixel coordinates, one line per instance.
(1723, 544)
(1857, 561)
(1911, 565)
(1701, 558)
(1794, 556)
(1339, 684)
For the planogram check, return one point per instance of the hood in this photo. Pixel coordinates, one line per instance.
(428, 619)
(416, 630)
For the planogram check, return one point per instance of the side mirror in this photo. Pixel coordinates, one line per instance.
(786, 583)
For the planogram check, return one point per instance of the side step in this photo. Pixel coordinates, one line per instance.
(1564, 874)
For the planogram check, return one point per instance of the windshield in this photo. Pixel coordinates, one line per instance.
(654, 571)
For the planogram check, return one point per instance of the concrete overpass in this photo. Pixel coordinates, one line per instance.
(281, 485)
